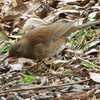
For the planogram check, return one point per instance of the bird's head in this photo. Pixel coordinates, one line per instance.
(20, 49)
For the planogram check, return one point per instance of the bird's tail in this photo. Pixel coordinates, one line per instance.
(63, 28)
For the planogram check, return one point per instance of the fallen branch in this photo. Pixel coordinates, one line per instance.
(42, 87)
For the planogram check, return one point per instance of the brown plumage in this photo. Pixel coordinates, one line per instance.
(45, 41)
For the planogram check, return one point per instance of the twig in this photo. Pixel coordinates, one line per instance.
(3, 59)
(96, 66)
(15, 37)
(50, 97)
(1, 42)
(5, 85)
(42, 87)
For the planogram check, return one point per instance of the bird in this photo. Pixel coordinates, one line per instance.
(45, 41)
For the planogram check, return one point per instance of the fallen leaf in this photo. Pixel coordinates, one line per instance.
(95, 77)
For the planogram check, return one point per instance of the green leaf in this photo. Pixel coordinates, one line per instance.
(28, 78)
(88, 64)
(5, 48)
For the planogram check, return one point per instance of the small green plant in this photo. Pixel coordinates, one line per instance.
(88, 64)
(28, 78)
(5, 48)
(82, 37)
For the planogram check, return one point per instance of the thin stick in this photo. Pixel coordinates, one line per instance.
(3, 59)
(42, 87)
(96, 66)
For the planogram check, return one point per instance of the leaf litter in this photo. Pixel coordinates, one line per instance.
(71, 75)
